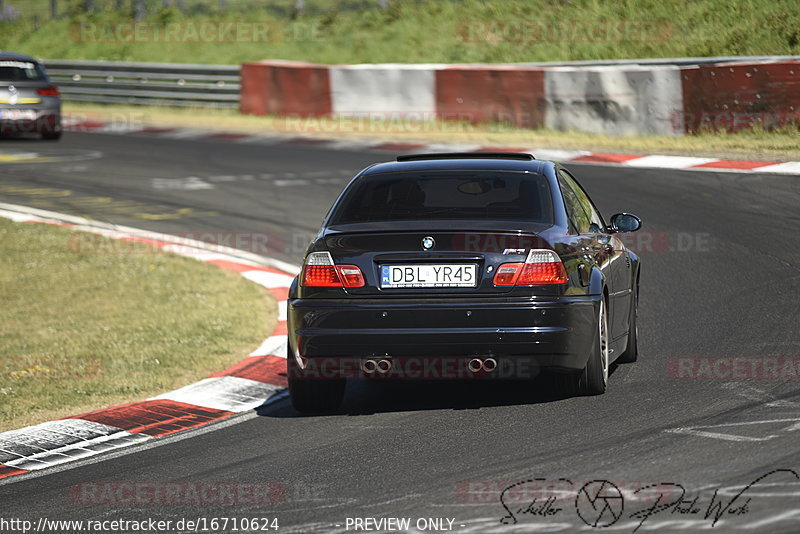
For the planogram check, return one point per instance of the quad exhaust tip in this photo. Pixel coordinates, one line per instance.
(477, 364)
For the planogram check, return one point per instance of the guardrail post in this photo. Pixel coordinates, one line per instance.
(139, 9)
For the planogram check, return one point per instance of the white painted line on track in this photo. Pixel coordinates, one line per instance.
(558, 155)
(712, 431)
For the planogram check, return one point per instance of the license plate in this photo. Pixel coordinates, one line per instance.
(17, 114)
(428, 276)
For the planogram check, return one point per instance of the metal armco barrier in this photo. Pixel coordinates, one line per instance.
(169, 84)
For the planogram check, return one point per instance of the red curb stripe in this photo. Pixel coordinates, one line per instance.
(734, 164)
(242, 268)
(280, 293)
(6, 471)
(157, 417)
(608, 158)
(267, 369)
(86, 125)
(399, 146)
(281, 329)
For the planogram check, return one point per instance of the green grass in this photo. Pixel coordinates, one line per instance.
(89, 327)
(336, 31)
(780, 144)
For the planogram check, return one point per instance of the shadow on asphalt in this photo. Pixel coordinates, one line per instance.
(368, 397)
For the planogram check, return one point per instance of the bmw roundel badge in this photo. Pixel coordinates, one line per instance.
(428, 243)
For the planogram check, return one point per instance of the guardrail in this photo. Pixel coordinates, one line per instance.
(168, 84)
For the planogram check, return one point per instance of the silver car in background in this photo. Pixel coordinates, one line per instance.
(29, 102)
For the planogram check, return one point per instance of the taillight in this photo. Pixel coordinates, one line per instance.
(320, 271)
(541, 267)
(50, 90)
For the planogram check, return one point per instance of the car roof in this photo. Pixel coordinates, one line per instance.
(5, 55)
(477, 162)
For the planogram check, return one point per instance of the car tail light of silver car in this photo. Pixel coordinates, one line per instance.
(51, 90)
(320, 271)
(542, 266)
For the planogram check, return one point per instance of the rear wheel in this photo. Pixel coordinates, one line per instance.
(313, 394)
(593, 380)
(51, 136)
(632, 350)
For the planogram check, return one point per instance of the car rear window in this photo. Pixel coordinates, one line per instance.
(446, 195)
(20, 71)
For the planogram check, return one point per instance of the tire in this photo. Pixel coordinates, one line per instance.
(631, 353)
(593, 380)
(51, 136)
(312, 394)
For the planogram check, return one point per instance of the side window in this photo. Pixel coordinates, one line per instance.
(596, 223)
(579, 217)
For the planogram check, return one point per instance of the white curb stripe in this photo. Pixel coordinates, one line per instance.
(558, 155)
(17, 217)
(229, 393)
(789, 167)
(272, 346)
(268, 279)
(55, 442)
(668, 162)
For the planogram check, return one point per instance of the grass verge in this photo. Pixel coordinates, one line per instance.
(780, 145)
(421, 31)
(87, 329)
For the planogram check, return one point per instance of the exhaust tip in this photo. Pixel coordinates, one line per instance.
(474, 365)
(489, 365)
(369, 366)
(384, 366)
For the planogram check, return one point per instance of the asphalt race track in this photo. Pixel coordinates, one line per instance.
(720, 280)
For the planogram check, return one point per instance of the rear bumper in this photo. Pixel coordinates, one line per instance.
(554, 333)
(43, 121)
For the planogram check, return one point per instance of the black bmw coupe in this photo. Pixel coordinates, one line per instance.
(462, 265)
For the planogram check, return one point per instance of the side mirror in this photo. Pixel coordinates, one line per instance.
(625, 222)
